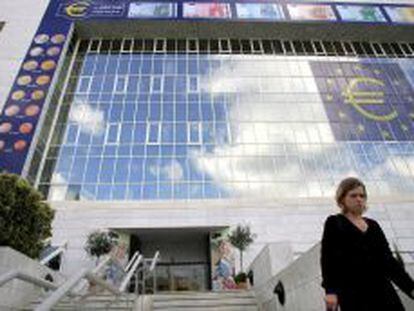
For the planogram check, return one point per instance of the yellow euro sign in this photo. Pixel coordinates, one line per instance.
(358, 98)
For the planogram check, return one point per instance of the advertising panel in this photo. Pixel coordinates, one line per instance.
(262, 11)
(24, 106)
(360, 13)
(152, 10)
(206, 10)
(312, 12)
(400, 14)
(372, 104)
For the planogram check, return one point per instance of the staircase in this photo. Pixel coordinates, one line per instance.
(205, 301)
(96, 302)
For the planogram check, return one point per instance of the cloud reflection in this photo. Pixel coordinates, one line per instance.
(91, 120)
(282, 142)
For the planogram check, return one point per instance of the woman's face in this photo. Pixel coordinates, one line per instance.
(355, 201)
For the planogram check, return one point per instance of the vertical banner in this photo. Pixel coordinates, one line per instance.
(23, 108)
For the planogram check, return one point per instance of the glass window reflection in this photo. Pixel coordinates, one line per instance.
(147, 126)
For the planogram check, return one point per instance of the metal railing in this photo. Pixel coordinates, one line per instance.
(54, 254)
(92, 276)
(138, 266)
(147, 270)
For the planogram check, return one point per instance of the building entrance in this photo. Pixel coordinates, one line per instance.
(184, 256)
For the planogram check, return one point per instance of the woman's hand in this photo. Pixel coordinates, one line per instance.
(331, 301)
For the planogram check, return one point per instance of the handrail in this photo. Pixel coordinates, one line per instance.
(57, 295)
(16, 274)
(154, 260)
(129, 264)
(55, 253)
(102, 264)
(131, 272)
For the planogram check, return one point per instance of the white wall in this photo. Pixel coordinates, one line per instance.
(298, 223)
(21, 18)
(272, 259)
(302, 283)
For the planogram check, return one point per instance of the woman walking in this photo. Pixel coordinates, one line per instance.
(356, 261)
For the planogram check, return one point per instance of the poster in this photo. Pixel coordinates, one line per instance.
(360, 13)
(206, 10)
(222, 262)
(315, 12)
(152, 10)
(263, 11)
(400, 14)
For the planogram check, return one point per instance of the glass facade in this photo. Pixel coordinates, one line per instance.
(160, 125)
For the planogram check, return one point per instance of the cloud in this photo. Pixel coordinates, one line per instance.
(282, 142)
(261, 118)
(171, 171)
(90, 120)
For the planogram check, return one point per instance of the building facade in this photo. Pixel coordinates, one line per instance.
(172, 122)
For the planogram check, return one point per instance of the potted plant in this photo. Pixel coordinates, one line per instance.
(241, 238)
(241, 280)
(100, 243)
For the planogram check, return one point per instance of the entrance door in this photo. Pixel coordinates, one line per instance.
(183, 276)
(184, 257)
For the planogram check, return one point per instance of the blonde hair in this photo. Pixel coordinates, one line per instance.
(347, 185)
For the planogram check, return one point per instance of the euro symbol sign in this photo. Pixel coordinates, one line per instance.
(358, 99)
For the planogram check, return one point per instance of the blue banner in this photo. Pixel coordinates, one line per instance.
(24, 106)
(366, 101)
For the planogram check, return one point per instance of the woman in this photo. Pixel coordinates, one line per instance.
(357, 264)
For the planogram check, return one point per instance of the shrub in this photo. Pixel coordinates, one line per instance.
(25, 219)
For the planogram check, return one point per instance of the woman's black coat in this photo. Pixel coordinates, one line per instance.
(358, 266)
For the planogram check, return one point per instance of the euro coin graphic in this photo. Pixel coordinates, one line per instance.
(48, 65)
(37, 51)
(43, 80)
(30, 65)
(26, 128)
(58, 39)
(20, 145)
(53, 51)
(37, 95)
(41, 38)
(32, 110)
(18, 95)
(5, 127)
(24, 80)
(12, 111)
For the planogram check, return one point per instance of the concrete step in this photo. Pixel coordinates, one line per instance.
(204, 295)
(215, 308)
(207, 301)
(185, 302)
(96, 302)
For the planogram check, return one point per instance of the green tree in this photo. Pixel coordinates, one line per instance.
(241, 237)
(25, 219)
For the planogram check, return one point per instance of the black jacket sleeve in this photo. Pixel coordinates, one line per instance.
(394, 270)
(330, 256)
